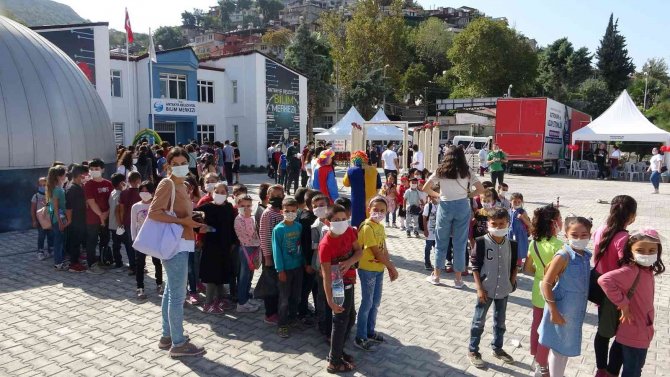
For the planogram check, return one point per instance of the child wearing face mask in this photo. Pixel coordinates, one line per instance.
(389, 192)
(318, 230)
(503, 193)
(402, 213)
(138, 213)
(211, 179)
(631, 289)
(339, 251)
(216, 262)
(518, 230)
(38, 202)
(494, 270)
(413, 207)
(267, 287)
(249, 252)
(289, 263)
(565, 288)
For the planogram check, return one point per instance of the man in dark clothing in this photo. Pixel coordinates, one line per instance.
(601, 158)
(293, 168)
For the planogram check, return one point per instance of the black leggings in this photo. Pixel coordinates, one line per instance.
(601, 346)
(497, 176)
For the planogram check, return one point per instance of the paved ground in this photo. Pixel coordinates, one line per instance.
(63, 324)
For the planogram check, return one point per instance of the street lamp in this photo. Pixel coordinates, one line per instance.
(509, 91)
(646, 77)
(384, 82)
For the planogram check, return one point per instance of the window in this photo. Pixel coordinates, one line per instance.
(205, 132)
(115, 76)
(327, 121)
(234, 91)
(236, 133)
(173, 86)
(206, 91)
(118, 133)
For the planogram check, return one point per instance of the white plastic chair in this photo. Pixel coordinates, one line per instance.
(592, 170)
(576, 170)
(630, 171)
(641, 167)
(562, 166)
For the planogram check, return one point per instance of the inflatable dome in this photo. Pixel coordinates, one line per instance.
(49, 111)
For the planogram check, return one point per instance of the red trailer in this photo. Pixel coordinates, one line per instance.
(534, 132)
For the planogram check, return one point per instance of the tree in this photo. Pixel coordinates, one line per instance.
(363, 45)
(188, 20)
(654, 89)
(169, 37)
(657, 68)
(270, 9)
(414, 80)
(488, 56)
(562, 68)
(226, 8)
(579, 67)
(614, 65)
(431, 40)
(243, 4)
(595, 96)
(308, 54)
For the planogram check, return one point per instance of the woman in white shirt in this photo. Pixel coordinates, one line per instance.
(454, 211)
(655, 164)
(126, 164)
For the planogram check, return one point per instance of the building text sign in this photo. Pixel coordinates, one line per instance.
(174, 107)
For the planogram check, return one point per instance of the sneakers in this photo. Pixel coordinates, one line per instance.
(160, 288)
(247, 307)
(427, 266)
(95, 270)
(458, 284)
(394, 225)
(402, 227)
(363, 344)
(201, 288)
(140, 294)
(226, 304)
(376, 337)
(544, 372)
(465, 273)
(500, 353)
(187, 349)
(76, 268)
(476, 360)
(41, 255)
(282, 331)
(388, 225)
(272, 320)
(416, 234)
(212, 308)
(409, 234)
(60, 267)
(432, 279)
(192, 299)
(166, 342)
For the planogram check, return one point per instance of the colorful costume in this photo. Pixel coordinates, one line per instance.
(324, 175)
(364, 182)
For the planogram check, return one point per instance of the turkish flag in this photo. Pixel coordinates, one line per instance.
(129, 30)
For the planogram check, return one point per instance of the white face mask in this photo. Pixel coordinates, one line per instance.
(95, 173)
(146, 196)
(321, 212)
(646, 260)
(377, 216)
(497, 232)
(134, 161)
(503, 194)
(219, 198)
(339, 227)
(290, 216)
(413, 186)
(579, 244)
(210, 187)
(180, 171)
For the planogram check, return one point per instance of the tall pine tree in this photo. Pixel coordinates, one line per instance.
(614, 64)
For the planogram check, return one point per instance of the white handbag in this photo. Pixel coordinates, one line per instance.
(158, 239)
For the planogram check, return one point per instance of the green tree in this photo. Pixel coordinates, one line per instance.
(226, 8)
(414, 80)
(579, 67)
(188, 20)
(431, 40)
(657, 68)
(654, 87)
(562, 68)
(488, 56)
(243, 4)
(614, 65)
(270, 9)
(169, 37)
(278, 38)
(308, 54)
(595, 97)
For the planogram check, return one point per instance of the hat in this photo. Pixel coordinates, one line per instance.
(358, 158)
(325, 157)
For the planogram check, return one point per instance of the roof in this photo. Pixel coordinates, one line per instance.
(69, 26)
(146, 54)
(211, 68)
(622, 121)
(249, 52)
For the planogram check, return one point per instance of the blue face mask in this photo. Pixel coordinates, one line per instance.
(40, 190)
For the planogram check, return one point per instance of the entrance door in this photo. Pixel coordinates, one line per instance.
(167, 131)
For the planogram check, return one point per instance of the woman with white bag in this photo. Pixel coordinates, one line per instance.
(171, 204)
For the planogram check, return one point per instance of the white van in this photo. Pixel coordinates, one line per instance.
(472, 144)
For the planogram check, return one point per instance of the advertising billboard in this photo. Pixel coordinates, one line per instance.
(282, 103)
(557, 131)
(79, 45)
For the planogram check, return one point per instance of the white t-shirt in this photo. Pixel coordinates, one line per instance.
(138, 213)
(453, 189)
(483, 155)
(431, 219)
(616, 154)
(388, 157)
(418, 157)
(122, 170)
(656, 162)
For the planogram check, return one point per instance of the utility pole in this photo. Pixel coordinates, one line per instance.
(337, 93)
(646, 79)
(384, 82)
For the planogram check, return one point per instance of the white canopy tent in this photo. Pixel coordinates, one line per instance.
(342, 129)
(622, 121)
(382, 132)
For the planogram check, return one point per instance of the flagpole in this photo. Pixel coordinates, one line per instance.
(151, 85)
(131, 125)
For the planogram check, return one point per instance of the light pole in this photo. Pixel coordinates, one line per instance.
(384, 82)
(646, 79)
(509, 91)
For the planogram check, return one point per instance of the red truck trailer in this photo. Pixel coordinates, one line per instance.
(534, 132)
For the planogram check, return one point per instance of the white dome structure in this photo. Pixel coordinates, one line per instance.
(49, 111)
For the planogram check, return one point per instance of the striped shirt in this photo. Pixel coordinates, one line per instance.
(269, 219)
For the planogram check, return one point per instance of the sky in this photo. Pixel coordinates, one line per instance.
(644, 23)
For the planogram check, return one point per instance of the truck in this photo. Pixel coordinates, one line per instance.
(535, 133)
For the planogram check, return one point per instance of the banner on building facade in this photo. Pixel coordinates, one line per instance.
(165, 106)
(282, 103)
(79, 45)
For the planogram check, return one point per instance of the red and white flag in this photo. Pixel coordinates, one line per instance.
(129, 30)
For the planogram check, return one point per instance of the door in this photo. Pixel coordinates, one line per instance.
(167, 131)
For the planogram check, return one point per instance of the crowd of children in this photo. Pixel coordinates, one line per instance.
(306, 246)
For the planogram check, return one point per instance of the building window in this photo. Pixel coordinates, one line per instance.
(206, 91)
(173, 86)
(115, 76)
(327, 121)
(236, 133)
(118, 133)
(234, 91)
(205, 132)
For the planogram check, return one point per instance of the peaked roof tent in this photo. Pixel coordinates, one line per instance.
(622, 121)
(342, 129)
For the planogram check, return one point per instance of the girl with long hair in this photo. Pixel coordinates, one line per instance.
(454, 211)
(125, 165)
(55, 197)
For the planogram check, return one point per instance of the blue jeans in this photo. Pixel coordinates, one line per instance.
(429, 246)
(655, 179)
(244, 279)
(479, 320)
(391, 215)
(453, 220)
(632, 359)
(371, 297)
(174, 296)
(42, 235)
(58, 244)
